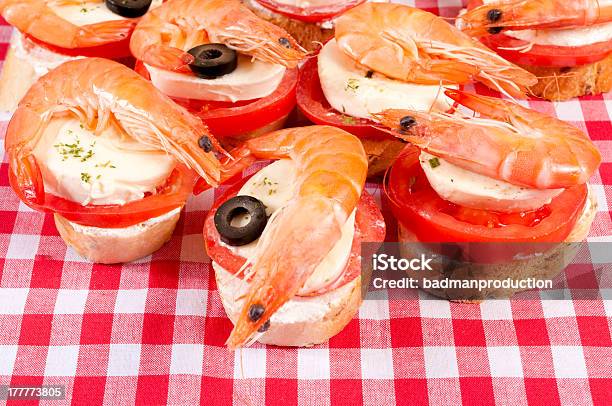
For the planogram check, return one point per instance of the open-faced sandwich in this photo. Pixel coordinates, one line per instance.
(50, 32)
(285, 243)
(229, 67)
(510, 175)
(394, 56)
(309, 22)
(109, 155)
(566, 44)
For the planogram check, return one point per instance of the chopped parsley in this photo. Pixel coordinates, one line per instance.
(106, 164)
(352, 84)
(85, 177)
(434, 162)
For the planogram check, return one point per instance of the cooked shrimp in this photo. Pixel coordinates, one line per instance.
(332, 167)
(37, 18)
(100, 93)
(533, 14)
(163, 36)
(412, 45)
(514, 144)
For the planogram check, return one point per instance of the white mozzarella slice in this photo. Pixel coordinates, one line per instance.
(252, 79)
(349, 91)
(100, 169)
(470, 189)
(274, 186)
(89, 12)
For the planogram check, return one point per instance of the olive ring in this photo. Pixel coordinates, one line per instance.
(236, 206)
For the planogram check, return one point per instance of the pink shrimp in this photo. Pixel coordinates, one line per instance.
(163, 36)
(38, 19)
(100, 93)
(514, 144)
(332, 167)
(492, 18)
(412, 45)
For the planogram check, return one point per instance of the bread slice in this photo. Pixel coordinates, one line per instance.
(308, 35)
(301, 322)
(118, 245)
(545, 266)
(565, 83)
(17, 76)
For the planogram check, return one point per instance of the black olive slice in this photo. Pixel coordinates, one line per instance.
(129, 8)
(236, 206)
(213, 60)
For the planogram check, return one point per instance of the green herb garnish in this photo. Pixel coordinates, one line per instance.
(85, 177)
(352, 84)
(434, 162)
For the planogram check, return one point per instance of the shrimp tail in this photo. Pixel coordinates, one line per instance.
(166, 57)
(103, 33)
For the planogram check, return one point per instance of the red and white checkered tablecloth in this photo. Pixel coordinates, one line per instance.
(153, 332)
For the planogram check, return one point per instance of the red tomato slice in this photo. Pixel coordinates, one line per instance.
(114, 50)
(226, 119)
(419, 208)
(310, 14)
(312, 102)
(369, 227)
(171, 195)
(547, 55)
(544, 55)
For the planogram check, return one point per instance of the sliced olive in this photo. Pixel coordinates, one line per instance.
(213, 60)
(256, 218)
(129, 8)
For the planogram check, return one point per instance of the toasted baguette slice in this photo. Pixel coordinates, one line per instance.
(118, 245)
(544, 266)
(16, 78)
(309, 35)
(565, 83)
(301, 322)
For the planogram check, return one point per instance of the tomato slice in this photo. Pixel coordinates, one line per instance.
(543, 55)
(312, 102)
(312, 14)
(169, 196)
(369, 227)
(547, 55)
(115, 50)
(226, 119)
(419, 208)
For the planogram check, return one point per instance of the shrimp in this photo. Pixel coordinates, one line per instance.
(412, 45)
(37, 19)
(101, 92)
(533, 14)
(513, 144)
(332, 168)
(163, 36)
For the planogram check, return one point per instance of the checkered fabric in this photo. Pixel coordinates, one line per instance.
(153, 332)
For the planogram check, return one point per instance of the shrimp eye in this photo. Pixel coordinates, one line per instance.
(240, 220)
(205, 143)
(495, 30)
(494, 15)
(264, 327)
(129, 8)
(407, 122)
(213, 60)
(284, 42)
(256, 311)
